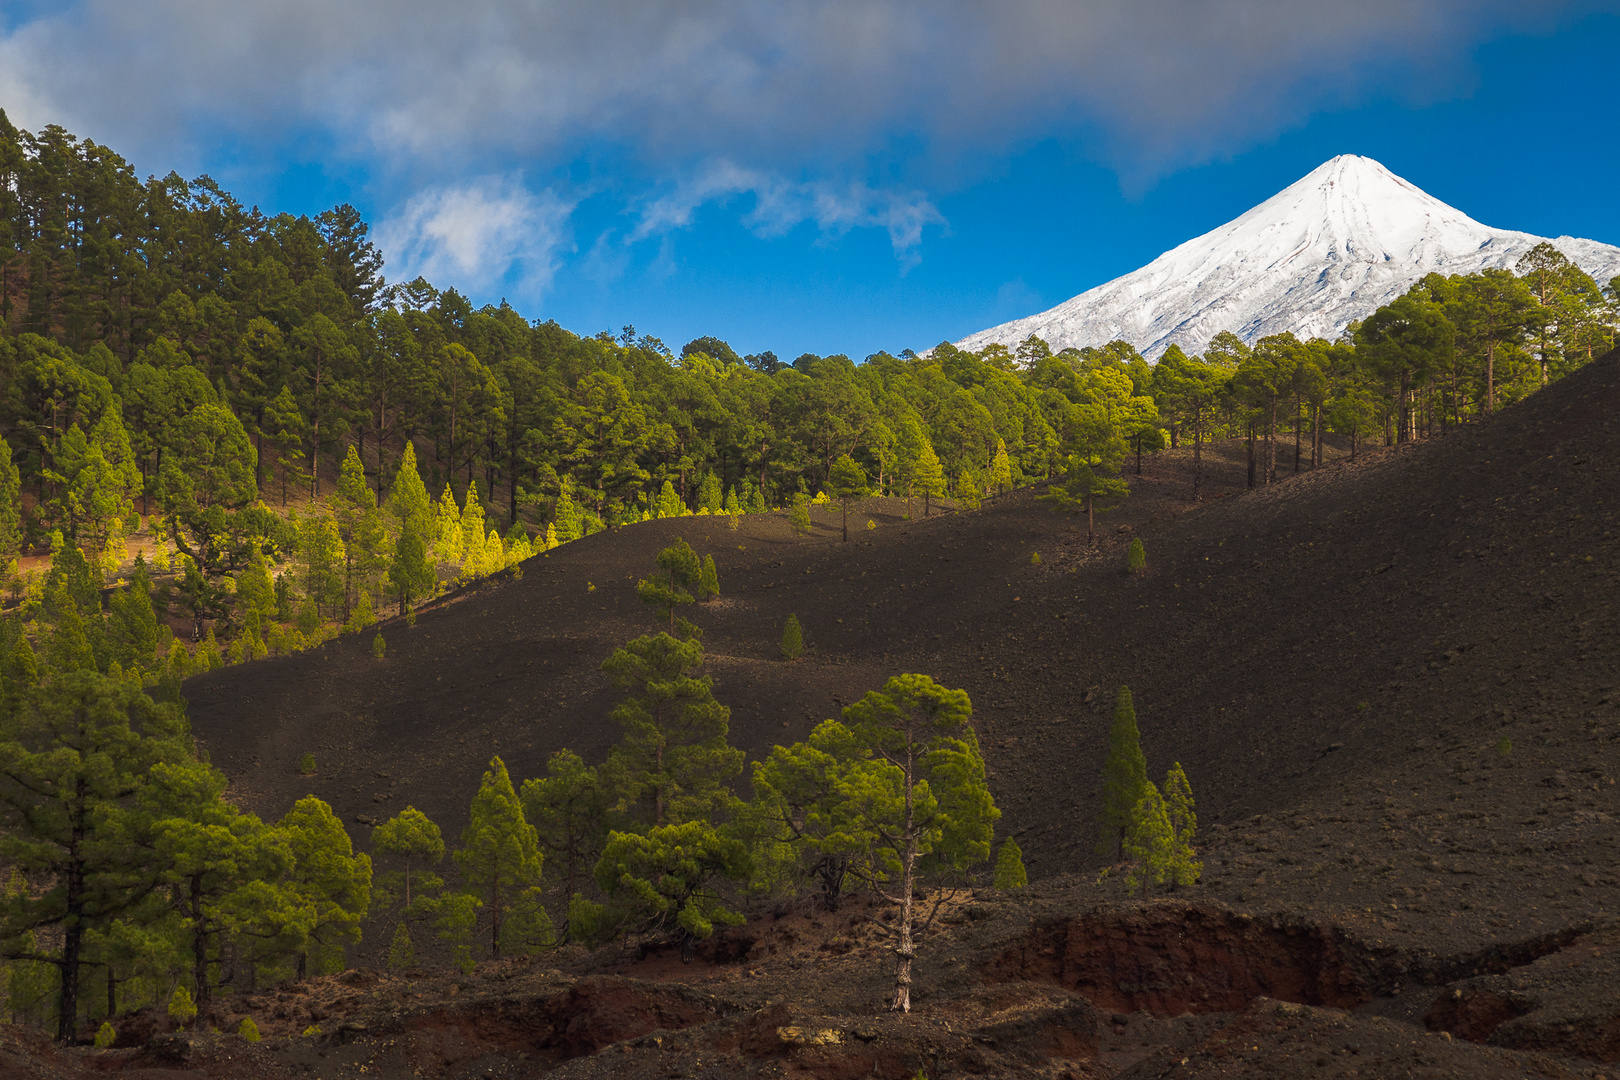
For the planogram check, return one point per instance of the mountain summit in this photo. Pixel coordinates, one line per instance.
(1329, 249)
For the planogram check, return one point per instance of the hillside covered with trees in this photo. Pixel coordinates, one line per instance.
(227, 437)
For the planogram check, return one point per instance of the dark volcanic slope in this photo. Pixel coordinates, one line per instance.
(1347, 646)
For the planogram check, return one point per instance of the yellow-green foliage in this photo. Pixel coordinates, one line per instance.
(182, 1010)
(248, 1029)
(1010, 873)
(799, 516)
(105, 1036)
(792, 638)
(1136, 557)
(379, 647)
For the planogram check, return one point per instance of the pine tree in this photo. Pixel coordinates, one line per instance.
(473, 544)
(1149, 841)
(379, 647)
(930, 475)
(567, 807)
(500, 859)
(709, 494)
(681, 564)
(709, 580)
(1124, 776)
(223, 870)
(566, 516)
(967, 490)
(329, 877)
(401, 953)
(672, 763)
(1010, 872)
(69, 648)
(411, 572)
(792, 638)
(408, 847)
(408, 499)
(669, 504)
(915, 795)
(1000, 469)
(182, 1010)
(1185, 867)
(360, 525)
(447, 548)
(1135, 557)
(73, 763)
(732, 506)
(10, 506)
(664, 877)
(799, 515)
(848, 481)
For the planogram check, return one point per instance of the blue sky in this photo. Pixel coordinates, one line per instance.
(825, 175)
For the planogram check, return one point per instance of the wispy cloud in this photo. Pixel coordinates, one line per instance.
(780, 205)
(482, 233)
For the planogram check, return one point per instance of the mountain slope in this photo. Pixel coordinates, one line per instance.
(1329, 249)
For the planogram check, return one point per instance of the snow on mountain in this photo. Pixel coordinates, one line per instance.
(1329, 249)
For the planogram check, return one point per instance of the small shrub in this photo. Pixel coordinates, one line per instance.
(792, 639)
(182, 1010)
(1034, 558)
(1504, 746)
(306, 764)
(410, 618)
(105, 1036)
(379, 647)
(870, 524)
(1135, 557)
(312, 1031)
(248, 1029)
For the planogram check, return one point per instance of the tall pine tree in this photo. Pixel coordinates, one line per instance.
(1125, 779)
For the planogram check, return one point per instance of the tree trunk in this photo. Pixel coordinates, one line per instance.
(1251, 455)
(1198, 461)
(1490, 378)
(1297, 427)
(1271, 443)
(1091, 531)
(199, 945)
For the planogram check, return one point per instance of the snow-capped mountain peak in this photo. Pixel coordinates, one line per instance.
(1326, 250)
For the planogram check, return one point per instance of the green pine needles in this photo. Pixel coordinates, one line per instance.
(1135, 557)
(1125, 781)
(792, 638)
(1160, 840)
(1010, 872)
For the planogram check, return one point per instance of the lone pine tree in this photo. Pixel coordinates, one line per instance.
(1149, 842)
(1185, 867)
(500, 860)
(1010, 873)
(668, 591)
(1125, 779)
(673, 763)
(792, 638)
(848, 481)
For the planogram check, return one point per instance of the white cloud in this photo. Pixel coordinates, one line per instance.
(779, 205)
(479, 234)
(787, 85)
